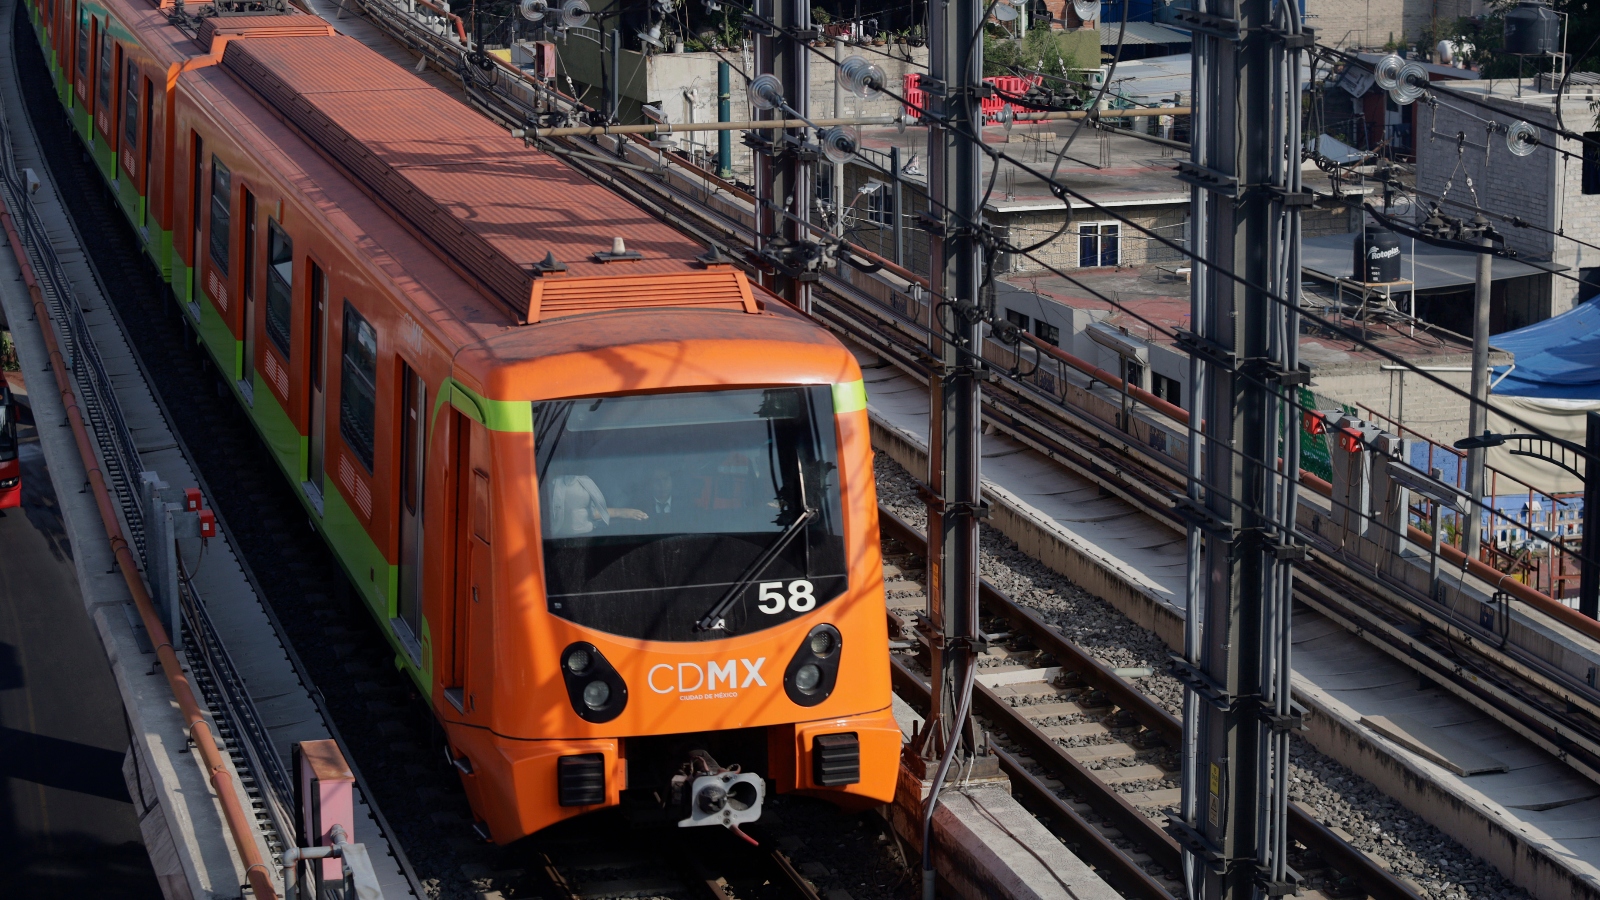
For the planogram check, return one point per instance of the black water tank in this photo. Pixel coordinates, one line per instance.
(1532, 29)
(1377, 256)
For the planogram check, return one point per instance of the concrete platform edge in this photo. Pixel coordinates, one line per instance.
(167, 778)
(1479, 824)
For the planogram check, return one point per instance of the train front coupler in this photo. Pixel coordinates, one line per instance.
(709, 794)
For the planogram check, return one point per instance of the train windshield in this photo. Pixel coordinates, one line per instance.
(656, 510)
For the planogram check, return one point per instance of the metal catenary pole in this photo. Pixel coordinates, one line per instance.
(955, 184)
(1245, 169)
(783, 180)
(1478, 414)
(1589, 574)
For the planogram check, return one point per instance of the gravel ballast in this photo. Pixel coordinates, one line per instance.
(1440, 868)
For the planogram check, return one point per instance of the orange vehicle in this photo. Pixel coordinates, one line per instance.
(10, 462)
(611, 503)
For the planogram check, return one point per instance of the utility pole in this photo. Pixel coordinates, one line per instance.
(1478, 415)
(955, 184)
(1245, 171)
(784, 184)
(1589, 574)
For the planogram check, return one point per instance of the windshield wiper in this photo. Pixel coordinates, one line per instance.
(714, 618)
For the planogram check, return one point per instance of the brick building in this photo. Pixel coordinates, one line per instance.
(1549, 189)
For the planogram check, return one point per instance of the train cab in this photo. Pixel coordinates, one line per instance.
(10, 461)
(679, 575)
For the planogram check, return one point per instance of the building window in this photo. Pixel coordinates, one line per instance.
(880, 205)
(280, 284)
(825, 183)
(1018, 319)
(1591, 163)
(1168, 389)
(1046, 332)
(358, 391)
(1098, 244)
(221, 221)
(130, 108)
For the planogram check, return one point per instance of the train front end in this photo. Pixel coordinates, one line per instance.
(688, 607)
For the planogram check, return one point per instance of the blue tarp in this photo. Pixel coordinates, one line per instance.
(1557, 359)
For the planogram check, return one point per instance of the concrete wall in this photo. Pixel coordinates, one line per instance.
(1135, 248)
(1543, 187)
(1373, 23)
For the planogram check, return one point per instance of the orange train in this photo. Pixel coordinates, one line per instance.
(612, 503)
(10, 459)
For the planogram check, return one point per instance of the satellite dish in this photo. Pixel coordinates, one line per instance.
(575, 13)
(1004, 11)
(766, 92)
(1522, 138)
(1386, 74)
(534, 10)
(839, 144)
(1087, 10)
(861, 77)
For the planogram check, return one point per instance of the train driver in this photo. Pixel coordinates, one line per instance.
(575, 504)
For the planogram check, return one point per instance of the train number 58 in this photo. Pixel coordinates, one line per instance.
(802, 596)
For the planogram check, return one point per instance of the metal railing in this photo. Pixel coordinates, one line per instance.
(119, 459)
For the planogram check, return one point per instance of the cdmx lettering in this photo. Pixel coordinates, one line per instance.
(684, 678)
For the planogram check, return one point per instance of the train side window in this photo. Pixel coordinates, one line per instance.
(85, 25)
(103, 98)
(280, 286)
(221, 216)
(358, 393)
(130, 108)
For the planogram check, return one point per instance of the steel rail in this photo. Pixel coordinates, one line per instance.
(1372, 877)
(195, 724)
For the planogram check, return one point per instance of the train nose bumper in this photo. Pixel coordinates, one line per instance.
(726, 798)
(848, 759)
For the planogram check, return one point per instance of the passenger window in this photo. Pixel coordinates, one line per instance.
(85, 25)
(280, 283)
(358, 384)
(130, 107)
(221, 182)
(103, 99)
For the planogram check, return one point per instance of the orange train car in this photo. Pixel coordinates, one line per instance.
(611, 503)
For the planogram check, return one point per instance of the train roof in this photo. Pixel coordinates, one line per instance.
(493, 208)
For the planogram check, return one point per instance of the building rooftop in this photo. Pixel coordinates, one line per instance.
(1152, 302)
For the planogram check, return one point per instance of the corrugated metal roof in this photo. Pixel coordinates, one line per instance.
(493, 207)
(1141, 33)
(294, 23)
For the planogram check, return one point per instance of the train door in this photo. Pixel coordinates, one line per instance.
(319, 351)
(470, 615)
(413, 445)
(248, 367)
(148, 118)
(198, 181)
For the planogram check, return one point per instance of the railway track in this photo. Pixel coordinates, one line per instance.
(1088, 751)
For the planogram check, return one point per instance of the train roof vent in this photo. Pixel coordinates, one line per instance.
(718, 288)
(259, 25)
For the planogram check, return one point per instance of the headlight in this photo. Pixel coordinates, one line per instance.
(807, 677)
(595, 689)
(812, 672)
